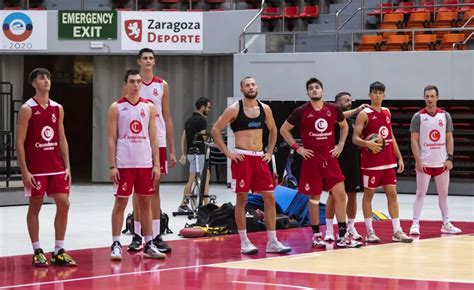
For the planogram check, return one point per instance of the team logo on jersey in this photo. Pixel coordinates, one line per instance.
(321, 125)
(142, 113)
(434, 135)
(383, 131)
(37, 113)
(155, 92)
(242, 183)
(124, 186)
(440, 123)
(329, 113)
(133, 29)
(387, 119)
(310, 115)
(307, 187)
(47, 133)
(325, 164)
(136, 127)
(53, 118)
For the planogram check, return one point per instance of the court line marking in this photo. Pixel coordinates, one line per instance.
(273, 284)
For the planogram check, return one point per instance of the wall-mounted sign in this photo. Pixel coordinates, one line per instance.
(82, 25)
(23, 30)
(161, 30)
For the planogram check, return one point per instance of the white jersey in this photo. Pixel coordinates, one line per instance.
(133, 140)
(154, 91)
(432, 140)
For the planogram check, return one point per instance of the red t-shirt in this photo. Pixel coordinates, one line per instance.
(317, 127)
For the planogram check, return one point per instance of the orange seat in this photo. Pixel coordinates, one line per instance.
(386, 8)
(370, 43)
(450, 39)
(425, 42)
(418, 20)
(396, 18)
(271, 13)
(448, 8)
(445, 19)
(386, 34)
(310, 12)
(397, 43)
(405, 7)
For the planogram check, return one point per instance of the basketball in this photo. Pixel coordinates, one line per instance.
(378, 139)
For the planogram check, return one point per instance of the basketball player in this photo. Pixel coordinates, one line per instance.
(134, 160)
(319, 167)
(156, 90)
(250, 170)
(432, 145)
(43, 155)
(379, 169)
(349, 162)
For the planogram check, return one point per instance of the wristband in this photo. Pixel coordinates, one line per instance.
(295, 146)
(450, 157)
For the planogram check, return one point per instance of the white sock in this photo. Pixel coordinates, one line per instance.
(36, 245)
(156, 227)
(116, 238)
(137, 228)
(368, 224)
(350, 223)
(416, 221)
(329, 225)
(58, 245)
(272, 236)
(147, 239)
(243, 237)
(446, 220)
(396, 225)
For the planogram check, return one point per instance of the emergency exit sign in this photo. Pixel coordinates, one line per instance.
(83, 25)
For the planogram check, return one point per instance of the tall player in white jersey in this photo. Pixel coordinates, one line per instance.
(432, 145)
(156, 90)
(134, 160)
(43, 155)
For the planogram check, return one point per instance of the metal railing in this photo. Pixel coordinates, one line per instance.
(243, 49)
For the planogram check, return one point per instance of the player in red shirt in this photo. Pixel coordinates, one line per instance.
(43, 155)
(320, 168)
(378, 168)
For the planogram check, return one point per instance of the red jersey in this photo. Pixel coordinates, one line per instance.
(317, 127)
(379, 123)
(42, 153)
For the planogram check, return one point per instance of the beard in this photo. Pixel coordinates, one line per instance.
(347, 108)
(251, 96)
(315, 99)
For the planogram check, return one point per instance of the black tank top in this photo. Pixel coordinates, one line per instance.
(242, 122)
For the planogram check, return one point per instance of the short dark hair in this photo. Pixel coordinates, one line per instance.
(143, 50)
(130, 72)
(246, 78)
(339, 95)
(202, 101)
(431, 87)
(376, 86)
(312, 81)
(38, 71)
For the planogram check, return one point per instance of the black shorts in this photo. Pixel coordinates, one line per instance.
(350, 168)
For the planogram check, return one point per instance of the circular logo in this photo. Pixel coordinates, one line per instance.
(47, 133)
(321, 125)
(136, 127)
(434, 135)
(17, 27)
(383, 131)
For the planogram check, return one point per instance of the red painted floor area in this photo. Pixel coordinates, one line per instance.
(186, 267)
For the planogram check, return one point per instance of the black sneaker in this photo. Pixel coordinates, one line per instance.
(161, 245)
(63, 259)
(39, 259)
(136, 244)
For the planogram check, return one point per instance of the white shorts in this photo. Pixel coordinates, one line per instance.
(192, 162)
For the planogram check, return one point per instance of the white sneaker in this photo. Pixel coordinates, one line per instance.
(448, 228)
(348, 242)
(151, 251)
(415, 229)
(355, 235)
(400, 236)
(318, 242)
(371, 237)
(248, 249)
(329, 237)
(116, 254)
(277, 247)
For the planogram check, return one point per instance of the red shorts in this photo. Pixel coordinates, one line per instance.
(434, 171)
(251, 174)
(375, 178)
(136, 180)
(163, 161)
(318, 175)
(50, 184)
